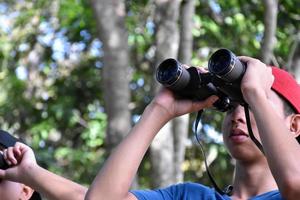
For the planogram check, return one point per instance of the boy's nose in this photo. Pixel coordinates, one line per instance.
(238, 115)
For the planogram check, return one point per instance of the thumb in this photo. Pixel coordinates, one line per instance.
(206, 103)
(244, 58)
(10, 174)
(2, 174)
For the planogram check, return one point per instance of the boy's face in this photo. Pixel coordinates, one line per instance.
(235, 132)
(11, 190)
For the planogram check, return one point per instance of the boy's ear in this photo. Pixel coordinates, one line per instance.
(295, 124)
(27, 192)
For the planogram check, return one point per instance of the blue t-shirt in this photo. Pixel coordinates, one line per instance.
(194, 191)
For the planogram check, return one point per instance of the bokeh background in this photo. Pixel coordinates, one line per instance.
(75, 76)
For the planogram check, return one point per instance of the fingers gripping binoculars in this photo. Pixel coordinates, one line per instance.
(6, 140)
(223, 79)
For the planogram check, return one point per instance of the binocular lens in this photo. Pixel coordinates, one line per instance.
(220, 61)
(168, 71)
(172, 74)
(224, 64)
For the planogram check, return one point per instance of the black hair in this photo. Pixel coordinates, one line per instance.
(288, 110)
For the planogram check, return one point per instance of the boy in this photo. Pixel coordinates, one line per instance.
(275, 175)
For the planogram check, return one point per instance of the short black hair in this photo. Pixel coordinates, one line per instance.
(287, 107)
(288, 110)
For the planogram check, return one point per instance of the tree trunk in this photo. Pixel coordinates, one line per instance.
(110, 19)
(294, 62)
(33, 61)
(110, 16)
(270, 22)
(180, 124)
(167, 37)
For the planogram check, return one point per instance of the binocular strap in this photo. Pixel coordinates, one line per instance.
(253, 138)
(229, 188)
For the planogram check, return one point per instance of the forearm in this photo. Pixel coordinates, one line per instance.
(114, 179)
(280, 145)
(54, 187)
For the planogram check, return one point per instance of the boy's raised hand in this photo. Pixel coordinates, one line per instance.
(175, 107)
(21, 160)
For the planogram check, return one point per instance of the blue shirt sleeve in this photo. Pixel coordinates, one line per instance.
(184, 191)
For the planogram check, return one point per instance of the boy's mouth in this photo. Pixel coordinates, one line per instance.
(238, 135)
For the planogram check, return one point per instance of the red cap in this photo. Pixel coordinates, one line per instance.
(287, 87)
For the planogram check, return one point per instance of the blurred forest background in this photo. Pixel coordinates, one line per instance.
(76, 75)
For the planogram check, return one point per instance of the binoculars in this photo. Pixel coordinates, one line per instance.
(225, 72)
(6, 140)
(3, 164)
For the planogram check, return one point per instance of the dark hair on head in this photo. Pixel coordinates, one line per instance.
(288, 110)
(287, 107)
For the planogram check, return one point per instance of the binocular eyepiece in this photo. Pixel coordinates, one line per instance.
(223, 79)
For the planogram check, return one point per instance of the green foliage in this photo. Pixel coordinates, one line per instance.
(56, 105)
(76, 16)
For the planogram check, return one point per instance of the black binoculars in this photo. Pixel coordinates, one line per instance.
(6, 140)
(223, 79)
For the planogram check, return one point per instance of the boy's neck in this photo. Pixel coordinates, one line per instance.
(251, 180)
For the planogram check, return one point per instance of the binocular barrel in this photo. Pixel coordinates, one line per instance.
(3, 164)
(224, 64)
(172, 74)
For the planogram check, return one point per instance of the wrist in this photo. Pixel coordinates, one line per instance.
(253, 95)
(159, 112)
(30, 172)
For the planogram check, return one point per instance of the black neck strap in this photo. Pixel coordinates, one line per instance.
(228, 189)
(250, 132)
